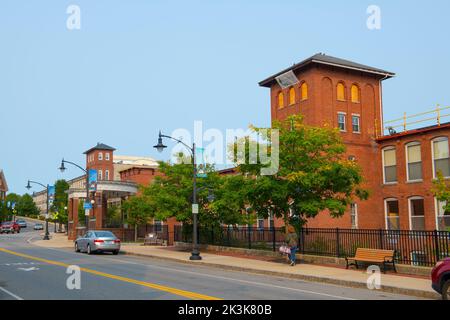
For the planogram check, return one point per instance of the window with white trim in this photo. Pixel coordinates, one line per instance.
(106, 175)
(413, 161)
(389, 165)
(341, 121)
(442, 216)
(356, 124)
(417, 214)
(100, 175)
(354, 215)
(107, 156)
(100, 156)
(441, 158)
(392, 214)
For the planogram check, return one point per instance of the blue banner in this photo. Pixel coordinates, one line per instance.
(92, 180)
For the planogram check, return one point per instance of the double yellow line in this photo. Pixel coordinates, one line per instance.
(182, 293)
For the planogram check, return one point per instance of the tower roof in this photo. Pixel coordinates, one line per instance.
(324, 59)
(100, 146)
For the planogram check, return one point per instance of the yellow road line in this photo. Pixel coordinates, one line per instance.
(183, 293)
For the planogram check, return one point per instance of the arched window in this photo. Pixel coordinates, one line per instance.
(341, 91)
(417, 213)
(413, 161)
(441, 156)
(355, 94)
(304, 91)
(280, 100)
(392, 214)
(389, 165)
(291, 96)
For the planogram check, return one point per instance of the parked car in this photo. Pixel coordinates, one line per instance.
(98, 241)
(440, 278)
(38, 226)
(22, 223)
(10, 227)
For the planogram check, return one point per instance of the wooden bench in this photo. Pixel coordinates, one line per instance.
(377, 256)
(153, 239)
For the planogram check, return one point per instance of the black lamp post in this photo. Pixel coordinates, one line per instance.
(195, 255)
(47, 235)
(62, 168)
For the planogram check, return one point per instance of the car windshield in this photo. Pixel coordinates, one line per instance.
(102, 234)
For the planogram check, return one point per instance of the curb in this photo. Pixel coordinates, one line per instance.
(346, 283)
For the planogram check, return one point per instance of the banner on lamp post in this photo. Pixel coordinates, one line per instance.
(92, 180)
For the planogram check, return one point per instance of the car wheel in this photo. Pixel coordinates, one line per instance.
(76, 247)
(446, 290)
(88, 250)
(115, 252)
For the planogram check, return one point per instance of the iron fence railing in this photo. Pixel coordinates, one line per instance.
(418, 248)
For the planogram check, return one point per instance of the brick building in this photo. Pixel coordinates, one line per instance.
(398, 168)
(118, 177)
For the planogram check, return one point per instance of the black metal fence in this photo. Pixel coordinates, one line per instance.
(418, 248)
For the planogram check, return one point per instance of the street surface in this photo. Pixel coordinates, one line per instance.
(31, 272)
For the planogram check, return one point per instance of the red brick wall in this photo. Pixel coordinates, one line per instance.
(403, 190)
(321, 109)
(101, 164)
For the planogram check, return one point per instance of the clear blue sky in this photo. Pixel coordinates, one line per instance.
(138, 66)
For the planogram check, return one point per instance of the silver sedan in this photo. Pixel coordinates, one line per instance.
(97, 241)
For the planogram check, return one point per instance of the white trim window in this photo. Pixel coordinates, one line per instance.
(354, 215)
(389, 165)
(441, 157)
(100, 156)
(413, 161)
(356, 127)
(100, 175)
(107, 156)
(107, 175)
(341, 121)
(416, 213)
(392, 214)
(442, 216)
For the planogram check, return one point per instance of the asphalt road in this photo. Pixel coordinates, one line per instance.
(31, 272)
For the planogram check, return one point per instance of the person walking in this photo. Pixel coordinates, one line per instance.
(292, 242)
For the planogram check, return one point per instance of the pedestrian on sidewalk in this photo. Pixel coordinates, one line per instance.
(291, 240)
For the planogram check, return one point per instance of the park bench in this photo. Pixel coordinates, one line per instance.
(153, 239)
(376, 256)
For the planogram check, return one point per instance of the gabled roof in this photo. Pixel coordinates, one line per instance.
(2, 177)
(100, 146)
(323, 59)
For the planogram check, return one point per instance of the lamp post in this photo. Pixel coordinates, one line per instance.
(47, 235)
(62, 168)
(195, 255)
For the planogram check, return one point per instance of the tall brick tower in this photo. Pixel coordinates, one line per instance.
(100, 158)
(345, 95)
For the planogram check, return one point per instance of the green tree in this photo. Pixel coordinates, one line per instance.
(441, 190)
(313, 176)
(26, 206)
(137, 211)
(81, 213)
(61, 200)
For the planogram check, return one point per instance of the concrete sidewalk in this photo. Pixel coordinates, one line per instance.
(393, 283)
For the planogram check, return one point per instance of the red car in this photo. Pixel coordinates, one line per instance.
(10, 227)
(440, 278)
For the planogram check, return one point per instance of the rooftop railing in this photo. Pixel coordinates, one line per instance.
(415, 121)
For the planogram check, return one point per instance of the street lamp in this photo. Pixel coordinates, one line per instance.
(62, 168)
(195, 255)
(28, 186)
